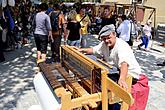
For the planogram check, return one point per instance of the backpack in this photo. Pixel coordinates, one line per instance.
(54, 21)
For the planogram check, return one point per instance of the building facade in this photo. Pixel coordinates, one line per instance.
(157, 4)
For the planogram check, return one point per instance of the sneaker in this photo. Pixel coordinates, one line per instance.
(146, 50)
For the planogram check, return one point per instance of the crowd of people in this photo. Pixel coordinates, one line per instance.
(15, 25)
(75, 25)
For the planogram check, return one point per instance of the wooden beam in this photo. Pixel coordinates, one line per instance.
(84, 58)
(104, 91)
(87, 100)
(105, 63)
(119, 91)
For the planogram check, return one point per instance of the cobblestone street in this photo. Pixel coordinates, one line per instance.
(16, 74)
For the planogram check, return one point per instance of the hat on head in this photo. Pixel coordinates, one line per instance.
(106, 30)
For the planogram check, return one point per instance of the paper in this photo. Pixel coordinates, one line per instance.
(48, 99)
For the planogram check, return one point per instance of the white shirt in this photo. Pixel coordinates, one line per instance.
(120, 53)
(147, 30)
(124, 30)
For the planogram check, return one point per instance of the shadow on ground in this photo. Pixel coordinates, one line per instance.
(148, 63)
(16, 75)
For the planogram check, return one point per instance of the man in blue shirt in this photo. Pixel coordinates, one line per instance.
(50, 8)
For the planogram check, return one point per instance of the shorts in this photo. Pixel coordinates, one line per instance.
(41, 42)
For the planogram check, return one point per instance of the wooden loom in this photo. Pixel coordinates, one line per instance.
(86, 82)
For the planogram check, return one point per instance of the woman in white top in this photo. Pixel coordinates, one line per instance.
(146, 35)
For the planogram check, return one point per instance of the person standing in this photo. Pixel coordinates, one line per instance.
(85, 22)
(3, 26)
(57, 23)
(139, 29)
(124, 30)
(74, 30)
(118, 51)
(50, 8)
(42, 32)
(2, 58)
(146, 35)
(98, 21)
(108, 17)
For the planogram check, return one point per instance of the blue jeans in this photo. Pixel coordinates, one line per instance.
(84, 40)
(74, 43)
(145, 41)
